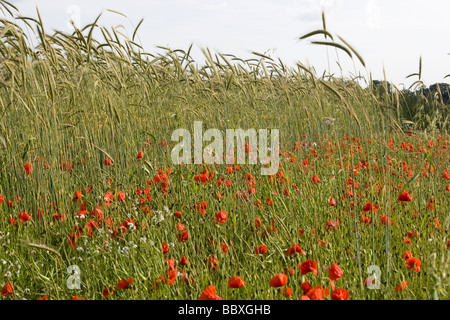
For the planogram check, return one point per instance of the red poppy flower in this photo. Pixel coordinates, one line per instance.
(308, 266)
(236, 282)
(183, 261)
(306, 286)
(108, 162)
(258, 222)
(413, 263)
(294, 249)
(107, 291)
(405, 197)
(172, 277)
(287, 292)
(332, 284)
(332, 202)
(165, 247)
(289, 272)
(124, 284)
(278, 281)
(71, 238)
(436, 224)
(8, 289)
(203, 178)
(332, 225)
(339, 294)
(403, 285)
(210, 294)
(407, 254)
(213, 263)
(335, 272)
(78, 195)
(121, 196)
(140, 155)
(59, 217)
(180, 227)
(184, 236)
(318, 293)
(65, 166)
(385, 219)
(28, 168)
(315, 179)
(99, 214)
(202, 207)
(171, 263)
(431, 203)
(224, 247)
(261, 249)
(127, 224)
(177, 214)
(370, 207)
(222, 216)
(413, 233)
(24, 216)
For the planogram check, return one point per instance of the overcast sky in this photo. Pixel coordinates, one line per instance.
(393, 34)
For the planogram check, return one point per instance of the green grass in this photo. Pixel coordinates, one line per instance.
(83, 100)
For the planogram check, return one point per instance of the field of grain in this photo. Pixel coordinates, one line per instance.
(93, 207)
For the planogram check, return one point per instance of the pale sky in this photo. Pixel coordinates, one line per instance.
(393, 34)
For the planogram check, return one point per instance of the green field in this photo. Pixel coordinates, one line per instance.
(76, 201)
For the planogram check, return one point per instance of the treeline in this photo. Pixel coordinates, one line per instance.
(419, 108)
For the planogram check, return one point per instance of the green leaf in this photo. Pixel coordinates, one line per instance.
(27, 147)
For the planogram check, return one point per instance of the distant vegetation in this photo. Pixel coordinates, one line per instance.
(422, 108)
(357, 210)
